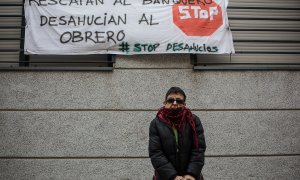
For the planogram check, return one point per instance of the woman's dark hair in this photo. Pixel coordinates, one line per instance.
(176, 90)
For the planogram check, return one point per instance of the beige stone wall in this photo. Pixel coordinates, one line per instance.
(94, 125)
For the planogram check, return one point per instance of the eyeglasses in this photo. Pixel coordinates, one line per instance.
(175, 101)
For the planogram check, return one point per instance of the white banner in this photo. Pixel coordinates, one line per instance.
(127, 27)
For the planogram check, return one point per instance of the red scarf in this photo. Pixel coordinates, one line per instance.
(177, 117)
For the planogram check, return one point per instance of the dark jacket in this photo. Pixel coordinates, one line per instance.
(169, 160)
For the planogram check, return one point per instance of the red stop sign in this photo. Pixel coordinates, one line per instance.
(197, 19)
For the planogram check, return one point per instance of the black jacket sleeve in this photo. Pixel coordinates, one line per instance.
(197, 155)
(159, 161)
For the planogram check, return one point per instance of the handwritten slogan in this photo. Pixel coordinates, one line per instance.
(127, 27)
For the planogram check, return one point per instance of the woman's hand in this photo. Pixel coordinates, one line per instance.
(188, 177)
(179, 178)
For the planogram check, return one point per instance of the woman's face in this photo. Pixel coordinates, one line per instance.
(174, 101)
